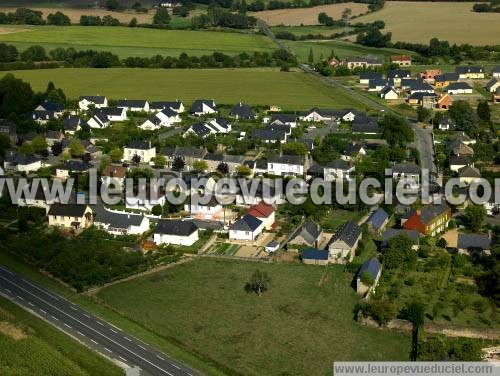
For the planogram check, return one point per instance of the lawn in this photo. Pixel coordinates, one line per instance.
(341, 49)
(300, 326)
(291, 90)
(125, 41)
(307, 16)
(226, 249)
(306, 30)
(336, 217)
(29, 346)
(418, 22)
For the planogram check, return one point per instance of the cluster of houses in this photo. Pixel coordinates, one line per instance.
(431, 89)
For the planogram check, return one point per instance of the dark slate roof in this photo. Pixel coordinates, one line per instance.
(377, 82)
(76, 166)
(459, 160)
(471, 69)
(16, 158)
(118, 220)
(200, 129)
(390, 233)
(286, 159)
(399, 73)
(474, 241)
(371, 266)
(349, 232)
(110, 111)
(139, 144)
(243, 111)
(378, 218)
(458, 85)
(175, 227)
(469, 172)
(52, 106)
(496, 69)
(406, 168)
(41, 115)
(338, 164)
(370, 75)
(197, 105)
(137, 103)
(416, 85)
(71, 123)
(447, 77)
(97, 99)
(429, 212)
(419, 95)
(162, 105)
(189, 152)
(447, 121)
(214, 157)
(246, 223)
(387, 89)
(223, 123)
(168, 112)
(284, 118)
(68, 210)
(365, 127)
(353, 149)
(269, 134)
(314, 254)
(154, 119)
(309, 231)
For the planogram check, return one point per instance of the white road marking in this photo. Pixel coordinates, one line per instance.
(89, 327)
(83, 335)
(93, 341)
(128, 339)
(20, 297)
(73, 308)
(67, 325)
(122, 358)
(7, 271)
(31, 304)
(142, 347)
(108, 350)
(55, 318)
(87, 316)
(114, 331)
(100, 323)
(10, 292)
(159, 357)
(44, 312)
(175, 365)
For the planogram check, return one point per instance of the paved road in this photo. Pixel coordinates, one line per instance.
(424, 144)
(96, 333)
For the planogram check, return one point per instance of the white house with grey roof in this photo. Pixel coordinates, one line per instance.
(338, 169)
(473, 243)
(176, 106)
(134, 105)
(87, 101)
(307, 233)
(120, 223)
(285, 165)
(246, 228)
(140, 148)
(342, 246)
(203, 107)
(408, 171)
(242, 111)
(175, 232)
(113, 114)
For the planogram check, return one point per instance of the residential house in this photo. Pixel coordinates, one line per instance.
(459, 148)
(114, 175)
(8, 128)
(70, 216)
(308, 233)
(121, 223)
(457, 162)
(42, 198)
(214, 126)
(284, 119)
(366, 125)
(495, 97)
(87, 101)
(264, 212)
(270, 135)
(313, 256)
(175, 232)
(408, 172)
(418, 86)
(412, 235)
(140, 148)
(495, 72)
(318, 114)
(338, 169)
(446, 123)
(285, 165)
(459, 88)
(474, 244)
(430, 75)
(72, 124)
(470, 72)
(144, 202)
(401, 60)
(247, 228)
(493, 85)
(209, 211)
(242, 111)
(176, 106)
(134, 105)
(444, 102)
(373, 268)
(113, 114)
(354, 151)
(68, 168)
(389, 93)
(52, 137)
(203, 107)
(342, 246)
(430, 220)
(366, 77)
(468, 174)
(377, 85)
(42, 117)
(443, 80)
(492, 206)
(232, 161)
(164, 118)
(56, 108)
(363, 62)
(188, 154)
(377, 221)
(423, 99)
(99, 121)
(396, 75)
(15, 161)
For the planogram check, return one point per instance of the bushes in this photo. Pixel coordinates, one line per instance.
(58, 19)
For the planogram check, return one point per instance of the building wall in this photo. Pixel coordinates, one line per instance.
(177, 240)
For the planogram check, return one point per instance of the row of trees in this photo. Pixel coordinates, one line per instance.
(219, 17)
(492, 7)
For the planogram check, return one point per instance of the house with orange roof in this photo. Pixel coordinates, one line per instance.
(444, 102)
(264, 212)
(401, 60)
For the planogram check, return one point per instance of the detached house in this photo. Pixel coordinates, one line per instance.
(430, 220)
(72, 124)
(459, 88)
(164, 118)
(175, 232)
(176, 106)
(264, 212)
(87, 101)
(15, 161)
(70, 216)
(99, 121)
(342, 246)
(493, 85)
(366, 77)
(56, 108)
(114, 175)
(363, 62)
(246, 228)
(373, 268)
(285, 165)
(242, 111)
(430, 74)
(377, 221)
(445, 79)
(284, 119)
(113, 113)
(408, 171)
(308, 233)
(141, 149)
(412, 235)
(270, 135)
(338, 169)
(473, 244)
(495, 72)
(389, 93)
(134, 105)
(444, 102)
(468, 174)
(472, 72)
(397, 75)
(457, 162)
(401, 60)
(203, 107)
(9, 129)
(121, 223)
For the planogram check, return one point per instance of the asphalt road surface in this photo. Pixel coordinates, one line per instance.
(95, 333)
(424, 144)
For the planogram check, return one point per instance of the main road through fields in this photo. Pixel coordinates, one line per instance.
(94, 332)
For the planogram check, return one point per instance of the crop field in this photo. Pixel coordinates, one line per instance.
(307, 16)
(29, 346)
(313, 29)
(75, 13)
(299, 326)
(342, 49)
(291, 90)
(125, 41)
(420, 21)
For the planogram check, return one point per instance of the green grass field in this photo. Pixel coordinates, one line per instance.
(298, 327)
(342, 49)
(291, 90)
(126, 42)
(29, 346)
(310, 29)
(420, 21)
